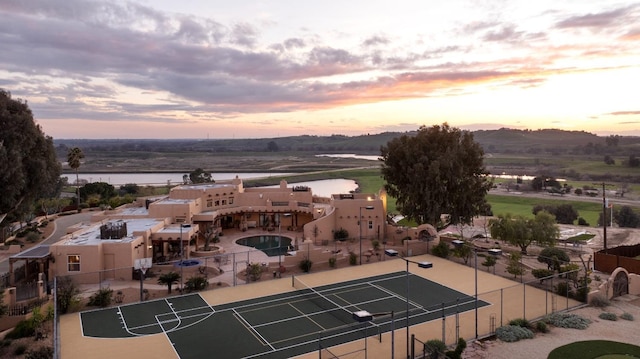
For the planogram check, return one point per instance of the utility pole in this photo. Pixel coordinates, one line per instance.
(604, 214)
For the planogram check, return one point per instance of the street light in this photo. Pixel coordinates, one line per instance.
(458, 243)
(362, 316)
(280, 240)
(426, 265)
(182, 225)
(360, 228)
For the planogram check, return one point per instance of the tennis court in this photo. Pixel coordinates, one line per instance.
(280, 325)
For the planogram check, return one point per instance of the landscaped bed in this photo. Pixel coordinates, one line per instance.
(595, 349)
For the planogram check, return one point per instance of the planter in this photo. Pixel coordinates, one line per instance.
(211, 252)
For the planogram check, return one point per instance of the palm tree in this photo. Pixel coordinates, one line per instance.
(73, 159)
(169, 279)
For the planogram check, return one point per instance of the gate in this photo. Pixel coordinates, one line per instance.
(26, 291)
(620, 284)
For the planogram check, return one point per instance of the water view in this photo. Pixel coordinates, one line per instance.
(160, 179)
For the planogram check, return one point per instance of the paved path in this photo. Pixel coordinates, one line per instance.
(61, 225)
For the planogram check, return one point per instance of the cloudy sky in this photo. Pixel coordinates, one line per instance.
(255, 69)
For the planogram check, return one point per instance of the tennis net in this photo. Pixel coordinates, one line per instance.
(323, 302)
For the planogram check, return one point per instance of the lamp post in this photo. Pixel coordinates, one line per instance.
(280, 239)
(362, 316)
(458, 243)
(426, 265)
(360, 228)
(182, 225)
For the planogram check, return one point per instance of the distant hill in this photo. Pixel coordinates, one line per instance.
(493, 141)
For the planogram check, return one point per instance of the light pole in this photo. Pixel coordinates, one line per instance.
(182, 225)
(360, 228)
(458, 243)
(362, 316)
(426, 265)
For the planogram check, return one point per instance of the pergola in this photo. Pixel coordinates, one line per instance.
(37, 256)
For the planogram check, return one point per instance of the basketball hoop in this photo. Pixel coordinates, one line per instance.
(142, 264)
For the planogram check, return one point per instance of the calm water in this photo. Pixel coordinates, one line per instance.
(322, 188)
(271, 245)
(158, 179)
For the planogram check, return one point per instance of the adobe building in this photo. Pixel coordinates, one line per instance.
(172, 227)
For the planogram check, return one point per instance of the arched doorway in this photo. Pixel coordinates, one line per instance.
(620, 284)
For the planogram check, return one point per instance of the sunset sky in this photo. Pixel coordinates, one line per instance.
(256, 69)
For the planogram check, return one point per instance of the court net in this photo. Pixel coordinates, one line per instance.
(328, 305)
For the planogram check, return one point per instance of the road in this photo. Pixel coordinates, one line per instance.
(61, 225)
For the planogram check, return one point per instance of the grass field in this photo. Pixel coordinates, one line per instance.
(524, 206)
(593, 349)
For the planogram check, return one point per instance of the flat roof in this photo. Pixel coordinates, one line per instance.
(37, 252)
(91, 235)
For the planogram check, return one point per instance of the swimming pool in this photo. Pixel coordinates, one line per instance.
(271, 245)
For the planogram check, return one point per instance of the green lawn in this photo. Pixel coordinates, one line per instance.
(524, 206)
(593, 349)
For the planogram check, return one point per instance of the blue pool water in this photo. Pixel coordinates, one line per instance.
(271, 245)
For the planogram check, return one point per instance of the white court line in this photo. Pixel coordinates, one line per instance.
(248, 326)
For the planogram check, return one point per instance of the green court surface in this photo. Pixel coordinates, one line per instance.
(283, 325)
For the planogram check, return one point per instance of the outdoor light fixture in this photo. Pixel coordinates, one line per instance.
(458, 243)
(423, 264)
(363, 316)
(360, 228)
(182, 225)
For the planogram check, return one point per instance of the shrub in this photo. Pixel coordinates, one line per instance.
(441, 250)
(24, 329)
(305, 265)
(353, 259)
(541, 273)
(566, 320)
(600, 301)
(513, 333)
(32, 237)
(542, 327)
(41, 353)
(254, 271)
(520, 322)
(582, 222)
(563, 289)
(608, 316)
(197, 283)
(332, 262)
(627, 316)
(101, 298)
(20, 349)
(341, 234)
(435, 346)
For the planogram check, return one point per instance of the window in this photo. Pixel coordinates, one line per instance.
(230, 200)
(73, 263)
(209, 203)
(224, 202)
(370, 224)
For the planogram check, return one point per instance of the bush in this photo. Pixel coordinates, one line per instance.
(41, 353)
(582, 222)
(520, 322)
(435, 346)
(353, 259)
(332, 262)
(600, 301)
(33, 237)
(563, 289)
(542, 327)
(197, 283)
(341, 234)
(566, 320)
(541, 273)
(441, 250)
(101, 298)
(19, 350)
(608, 316)
(24, 329)
(627, 316)
(305, 265)
(513, 333)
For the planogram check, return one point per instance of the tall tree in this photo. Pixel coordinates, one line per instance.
(521, 232)
(74, 156)
(437, 171)
(29, 169)
(200, 176)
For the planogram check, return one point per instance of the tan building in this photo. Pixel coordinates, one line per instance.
(169, 228)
